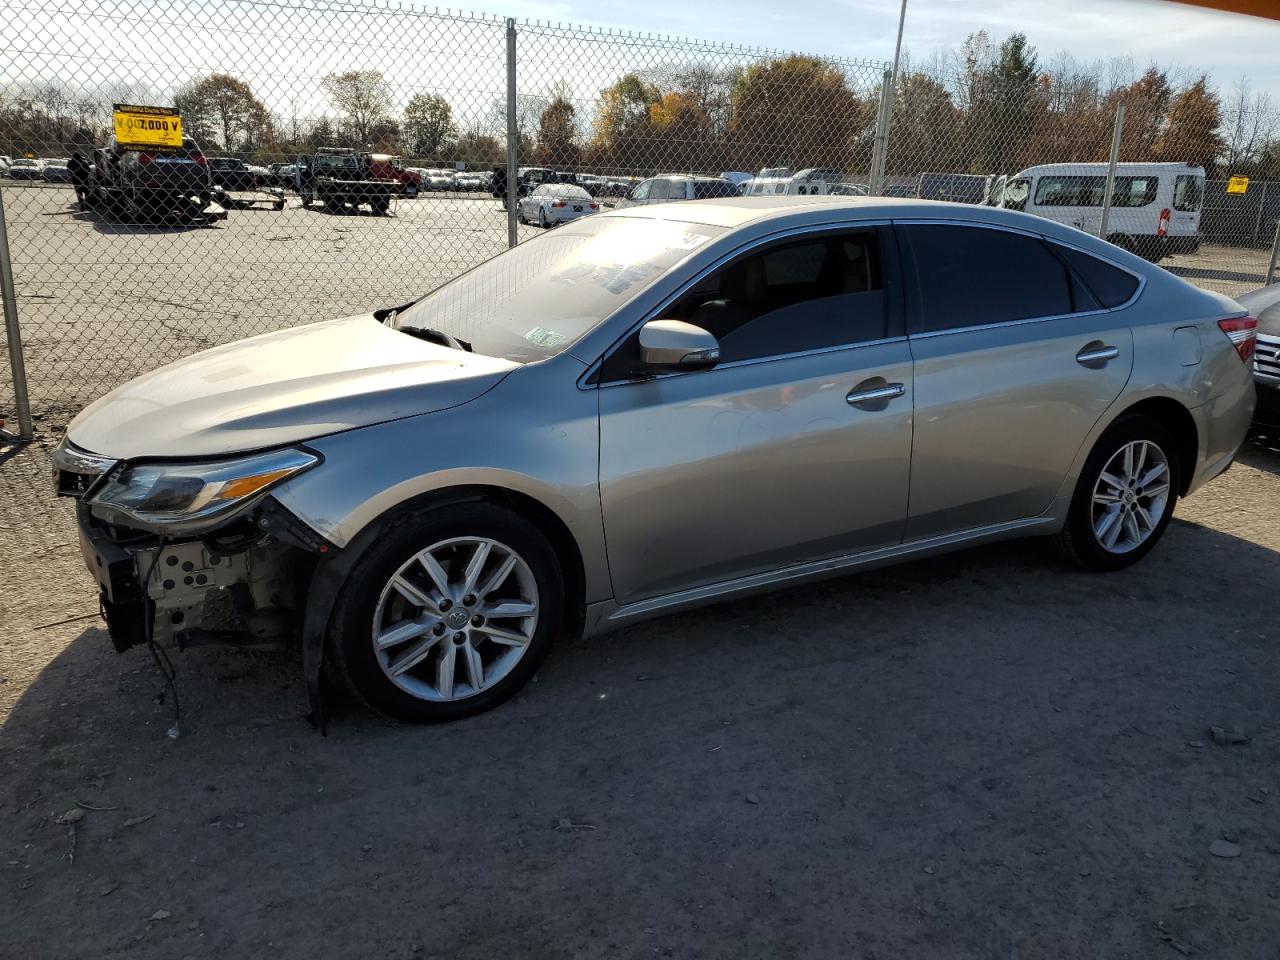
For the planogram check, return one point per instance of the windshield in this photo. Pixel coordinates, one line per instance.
(1015, 194)
(531, 302)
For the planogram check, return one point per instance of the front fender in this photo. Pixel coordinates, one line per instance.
(524, 436)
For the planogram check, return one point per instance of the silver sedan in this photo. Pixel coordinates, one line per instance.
(555, 203)
(645, 411)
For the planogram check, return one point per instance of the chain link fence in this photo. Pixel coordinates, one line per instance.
(341, 156)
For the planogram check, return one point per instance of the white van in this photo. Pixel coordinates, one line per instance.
(812, 181)
(1155, 211)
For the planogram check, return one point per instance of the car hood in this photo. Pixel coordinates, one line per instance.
(281, 388)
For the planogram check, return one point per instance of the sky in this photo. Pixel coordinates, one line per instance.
(1227, 46)
(284, 49)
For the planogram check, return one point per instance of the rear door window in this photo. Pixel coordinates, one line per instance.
(1134, 191)
(1188, 192)
(967, 276)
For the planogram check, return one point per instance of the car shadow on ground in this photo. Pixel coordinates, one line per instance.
(108, 222)
(1261, 449)
(989, 743)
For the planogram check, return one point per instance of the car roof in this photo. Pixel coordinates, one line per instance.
(1127, 167)
(736, 211)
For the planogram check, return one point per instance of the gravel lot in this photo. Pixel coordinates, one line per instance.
(981, 755)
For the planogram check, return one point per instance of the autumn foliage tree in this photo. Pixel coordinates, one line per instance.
(428, 126)
(796, 111)
(557, 135)
(221, 109)
(364, 96)
(1190, 132)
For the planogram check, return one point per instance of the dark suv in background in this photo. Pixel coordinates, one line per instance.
(151, 182)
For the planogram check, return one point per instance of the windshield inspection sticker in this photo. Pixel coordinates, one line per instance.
(544, 337)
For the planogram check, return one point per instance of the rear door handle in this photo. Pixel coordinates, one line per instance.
(1096, 354)
(878, 395)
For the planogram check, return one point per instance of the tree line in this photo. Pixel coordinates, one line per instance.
(984, 108)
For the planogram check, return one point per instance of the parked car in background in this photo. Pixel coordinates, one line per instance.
(1264, 304)
(813, 181)
(647, 411)
(677, 186)
(26, 169)
(528, 178)
(5, 162)
(954, 187)
(56, 171)
(554, 203)
(159, 181)
(282, 175)
(737, 178)
(384, 166)
(339, 178)
(1155, 209)
(232, 173)
(849, 189)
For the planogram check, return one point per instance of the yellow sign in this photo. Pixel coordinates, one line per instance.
(1237, 185)
(146, 126)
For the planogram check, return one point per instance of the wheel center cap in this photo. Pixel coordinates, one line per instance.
(1129, 498)
(457, 618)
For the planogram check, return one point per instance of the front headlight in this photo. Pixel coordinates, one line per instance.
(169, 494)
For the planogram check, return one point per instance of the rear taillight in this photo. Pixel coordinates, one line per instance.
(1243, 334)
(557, 203)
(594, 206)
(200, 159)
(144, 158)
(1163, 228)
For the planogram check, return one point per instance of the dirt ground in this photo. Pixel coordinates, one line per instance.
(982, 755)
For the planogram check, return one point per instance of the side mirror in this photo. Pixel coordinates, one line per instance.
(674, 344)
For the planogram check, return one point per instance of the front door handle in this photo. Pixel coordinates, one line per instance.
(1096, 354)
(874, 394)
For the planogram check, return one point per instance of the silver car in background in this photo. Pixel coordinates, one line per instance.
(554, 203)
(645, 411)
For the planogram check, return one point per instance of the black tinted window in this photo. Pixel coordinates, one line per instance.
(968, 276)
(794, 297)
(1111, 285)
(707, 189)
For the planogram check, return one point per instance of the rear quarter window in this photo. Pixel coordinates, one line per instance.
(1110, 285)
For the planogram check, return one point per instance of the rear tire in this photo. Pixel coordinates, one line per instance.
(1118, 512)
(380, 206)
(369, 606)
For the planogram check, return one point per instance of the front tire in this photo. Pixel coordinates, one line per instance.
(448, 613)
(1125, 496)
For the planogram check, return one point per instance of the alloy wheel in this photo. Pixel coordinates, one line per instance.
(1130, 496)
(455, 619)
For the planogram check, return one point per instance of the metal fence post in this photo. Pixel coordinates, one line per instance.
(1116, 134)
(880, 150)
(1275, 255)
(17, 362)
(1262, 206)
(513, 191)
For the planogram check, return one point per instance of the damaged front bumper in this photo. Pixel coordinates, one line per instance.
(243, 580)
(242, 589)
